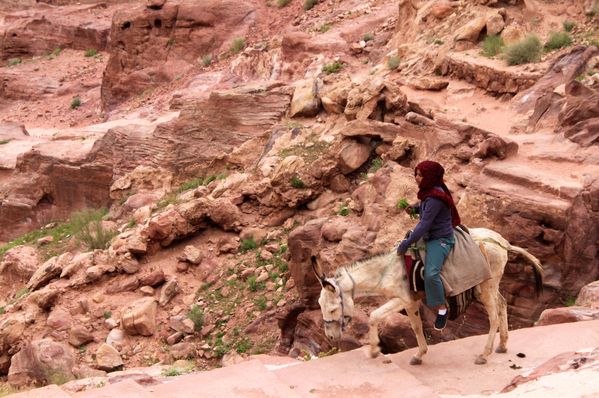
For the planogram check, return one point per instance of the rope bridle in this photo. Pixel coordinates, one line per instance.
(342, 322)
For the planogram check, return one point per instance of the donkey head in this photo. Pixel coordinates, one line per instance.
(337, 308)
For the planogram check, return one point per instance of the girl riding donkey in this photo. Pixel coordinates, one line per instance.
(438, 217)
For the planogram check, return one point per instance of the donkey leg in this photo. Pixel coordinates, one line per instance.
(503, 327)
(376, 317)
(413, 311)
(489, 299)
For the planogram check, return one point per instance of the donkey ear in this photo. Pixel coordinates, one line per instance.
(328, 286)
(318, 271)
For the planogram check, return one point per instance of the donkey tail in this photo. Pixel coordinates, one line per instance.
(537, 267)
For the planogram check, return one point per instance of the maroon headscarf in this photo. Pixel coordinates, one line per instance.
(432, 176)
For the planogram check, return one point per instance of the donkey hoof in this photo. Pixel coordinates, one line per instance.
(501, 350)
(374, 352)
(480, 360)
(416, 361)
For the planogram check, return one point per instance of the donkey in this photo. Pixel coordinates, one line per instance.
(385, 275)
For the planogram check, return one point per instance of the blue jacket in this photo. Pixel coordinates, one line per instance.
(435, 223)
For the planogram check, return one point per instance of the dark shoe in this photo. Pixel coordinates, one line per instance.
(441, 321)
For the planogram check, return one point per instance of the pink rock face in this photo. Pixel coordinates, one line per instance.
(39, 31)
(181, 33)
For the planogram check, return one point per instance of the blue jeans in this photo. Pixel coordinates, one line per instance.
(436, 253)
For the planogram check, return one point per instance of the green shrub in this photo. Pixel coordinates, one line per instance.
(595, 43)
(94, 236)
(197, 317)
(324, 28)
(21, 293)
(92, 52)
(243, 345)
(2, 310)
(260, 302)
(4, 142)
(237, 45)
(75, 102)
(343, 211)
(252, 284)
(492, 45)
(296, 182)
(192, 184)
(368, 37)
(207, 60)
(282, 3)
(376, 164)
(107, 314)
(14, 61)
(569, 25)
(558, 40)
(170, 42)
(438, 42)
(309, 4)
(247, 245)
(524, 51)
(332, 67)
(393, 62)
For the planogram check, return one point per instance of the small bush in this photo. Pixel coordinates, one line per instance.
(524, 51)
(247, 245)
(4, 142)
(243, 345)
(56, 51)
(206, 60)
(492, 46)
(343, 211)
(170, 42)
(252, 284)
(438, 42)
(282, 3)
(92, 52)
(595, 43)
(260, 302)
(197, 317)
(558, 40)
(75, 102)
(309, 4)
(14, 61)
(192, 184)
(237, 45)
(393, 62)
(297, 183)
(107, 314)
(2, 310)
(569, 25)
(21, 293)
(94, 236)
(333, 67)
(368, 37)
(376, 164)
(324, 28)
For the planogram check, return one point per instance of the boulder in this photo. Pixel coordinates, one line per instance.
(305, 100)
(49, 270)
(352, 155)
(19, 264)
(41, 362)
(108, 358)
(139, 317)
(168, 291)
(589, 296)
